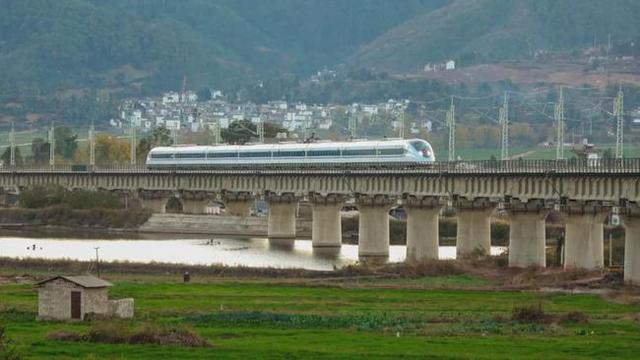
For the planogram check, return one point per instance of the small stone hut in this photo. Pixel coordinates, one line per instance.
(73, 297)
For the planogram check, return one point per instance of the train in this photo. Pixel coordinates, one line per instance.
(362, 153)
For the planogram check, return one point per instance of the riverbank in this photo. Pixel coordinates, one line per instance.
(439, 310)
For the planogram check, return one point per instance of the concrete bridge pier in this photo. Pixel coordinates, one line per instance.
(527, 237)
(584, 236)
(281, 225)
(157, 204)
(238, 204)
(423, 235)
(194, 206)
(373, 227)
(326, 230)
(632, 246)
(474, 226)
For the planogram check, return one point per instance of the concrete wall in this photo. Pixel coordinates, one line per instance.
(122, 308)
(216, 225)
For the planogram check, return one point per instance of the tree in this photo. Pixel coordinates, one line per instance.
(6, 157)
(39, 151)
(111, 151)
(159, 137)
(66, 142)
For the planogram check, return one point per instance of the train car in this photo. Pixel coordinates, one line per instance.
(386, 153)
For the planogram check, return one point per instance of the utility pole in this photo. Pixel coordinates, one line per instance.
(133, 144)
(92, 146)
(353, 124)
(504, 132)
(216, 132)
(174, 136)
(618, 112)
(260, 131)
(401, 125)
(52, 146)
(97, 260)
(559, 119)
(451, 123)
(12, 139)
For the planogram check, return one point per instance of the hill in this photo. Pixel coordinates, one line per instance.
(149, 45)
(476, 31)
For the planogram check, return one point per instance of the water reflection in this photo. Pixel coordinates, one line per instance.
(253, 252)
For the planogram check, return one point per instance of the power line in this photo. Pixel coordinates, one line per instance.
(260, 130)
(353, 126)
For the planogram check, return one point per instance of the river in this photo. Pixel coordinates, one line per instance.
(250, 252)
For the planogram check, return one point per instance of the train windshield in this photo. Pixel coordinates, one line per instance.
(422, 148)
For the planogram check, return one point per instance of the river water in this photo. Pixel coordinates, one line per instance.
(250, 252)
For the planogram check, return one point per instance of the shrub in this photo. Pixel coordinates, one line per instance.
(8, 351)
(529, 314)
(122, 332)
(574, 317)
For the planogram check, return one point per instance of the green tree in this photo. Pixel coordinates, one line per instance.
(6, 157)
(66, 142)
(159, 137)
(39, 151)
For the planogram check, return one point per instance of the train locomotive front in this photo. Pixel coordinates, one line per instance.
(353, 154)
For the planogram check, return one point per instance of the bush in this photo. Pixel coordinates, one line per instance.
(122, 332)
(529, 314)
(574, 317)
(8, 351)
(39, 197)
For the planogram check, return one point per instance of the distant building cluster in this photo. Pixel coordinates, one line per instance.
(184, 112)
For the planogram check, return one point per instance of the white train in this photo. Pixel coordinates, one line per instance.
(386, 153)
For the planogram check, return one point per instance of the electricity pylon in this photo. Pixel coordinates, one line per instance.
(216, 132)
(92, 145)
(504, 132)
(558, 116)
(12, 139)
(353, 125)
(618, 112)
(401, 125)
(133, 144)
(260, 131)
(451, 123)
(52, 146)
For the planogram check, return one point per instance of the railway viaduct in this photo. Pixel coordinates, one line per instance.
(584, 193)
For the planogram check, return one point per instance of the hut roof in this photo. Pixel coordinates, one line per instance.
(86, 281)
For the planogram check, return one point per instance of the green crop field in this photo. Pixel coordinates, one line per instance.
(446, 317)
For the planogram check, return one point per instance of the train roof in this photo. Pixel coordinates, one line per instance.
(288, 146)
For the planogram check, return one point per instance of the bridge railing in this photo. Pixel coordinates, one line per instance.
(591, 166)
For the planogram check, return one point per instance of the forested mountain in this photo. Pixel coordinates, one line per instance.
(494, 30)
(146, 46)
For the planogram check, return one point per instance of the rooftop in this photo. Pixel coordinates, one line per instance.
(86, 281)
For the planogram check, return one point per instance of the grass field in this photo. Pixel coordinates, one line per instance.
(447, 317)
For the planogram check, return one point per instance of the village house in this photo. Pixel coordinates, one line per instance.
(73, 297)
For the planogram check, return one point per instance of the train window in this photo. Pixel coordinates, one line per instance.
(396, 151)
(359, 152)
(289, 154)
(255, 154)
(161, 156)
(323, 153)
(222, 155)
(190, 156)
